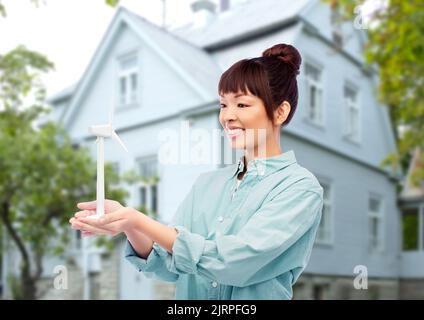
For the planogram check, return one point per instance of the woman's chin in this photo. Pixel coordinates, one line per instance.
(238, 145)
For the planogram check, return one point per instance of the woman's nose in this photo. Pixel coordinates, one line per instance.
(228, 116)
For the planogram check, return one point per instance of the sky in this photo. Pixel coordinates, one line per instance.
(69, 31)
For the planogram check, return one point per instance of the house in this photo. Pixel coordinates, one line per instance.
(164, 86)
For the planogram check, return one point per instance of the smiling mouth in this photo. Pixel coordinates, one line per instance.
(234, 132)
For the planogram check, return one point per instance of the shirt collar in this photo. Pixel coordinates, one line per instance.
(262, 167)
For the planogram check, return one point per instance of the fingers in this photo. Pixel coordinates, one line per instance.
(88, 226)
(114, 227)
(84, 213)
(89, 229)
(90, 205)
(104, 220)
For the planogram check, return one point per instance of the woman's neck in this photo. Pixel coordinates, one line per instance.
(253, 155)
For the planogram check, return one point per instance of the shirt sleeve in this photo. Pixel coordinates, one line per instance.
(155, 265)
(260, 250)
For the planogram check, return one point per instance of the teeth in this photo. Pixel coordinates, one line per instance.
(234, 131)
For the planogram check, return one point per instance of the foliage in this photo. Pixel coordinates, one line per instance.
(394, 43)
(42, 174)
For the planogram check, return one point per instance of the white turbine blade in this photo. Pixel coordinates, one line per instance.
(116, 137)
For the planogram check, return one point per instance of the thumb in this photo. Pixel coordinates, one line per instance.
(87, 205)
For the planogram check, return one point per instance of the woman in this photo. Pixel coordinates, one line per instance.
(245, 231)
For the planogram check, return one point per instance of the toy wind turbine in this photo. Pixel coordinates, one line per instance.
(103, 131)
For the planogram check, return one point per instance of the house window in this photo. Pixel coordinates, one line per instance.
(375, 215)
(128, 80)
(410, 229)
(148, 189)
(324, 233)
(352, 113)
(314, 94)
(320, 291)
(143, 199)
(76, 240)
(148, 167)
(154, 198)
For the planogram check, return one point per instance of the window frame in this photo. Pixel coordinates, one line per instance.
(381, 216)
(148, 186)
(319, 84)
(127, 75)
(347, 134)
(329, 202)
(420, 227)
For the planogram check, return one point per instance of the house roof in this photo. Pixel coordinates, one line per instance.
(244, 21)
(62, 94)
(197, 61)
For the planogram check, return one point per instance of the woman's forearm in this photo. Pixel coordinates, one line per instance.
(145, 231)
(140, 242)
(161, 234)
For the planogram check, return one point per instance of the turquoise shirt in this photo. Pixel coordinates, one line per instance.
(249, 243)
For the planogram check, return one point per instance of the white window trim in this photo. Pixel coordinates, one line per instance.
(330, 218)
(148, 185)
(346, 114)
(119, 73)
(320, 85)
(148, 193)
(381, 216)
(420, 226)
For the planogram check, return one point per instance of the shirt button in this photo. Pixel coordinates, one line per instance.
(220, 218)
(214, 284)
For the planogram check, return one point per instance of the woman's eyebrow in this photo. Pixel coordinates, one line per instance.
(237, 96)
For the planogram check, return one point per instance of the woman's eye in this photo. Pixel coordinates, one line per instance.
(241, 105)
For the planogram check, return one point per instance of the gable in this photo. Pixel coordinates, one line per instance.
(199, 75)
(161, 90)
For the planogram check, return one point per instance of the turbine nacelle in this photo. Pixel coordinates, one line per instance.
(106, 131)
(102, 130)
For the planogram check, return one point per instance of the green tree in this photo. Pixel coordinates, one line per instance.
(42, 175)
(395, 33)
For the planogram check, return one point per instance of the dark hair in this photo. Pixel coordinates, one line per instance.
(271, 78)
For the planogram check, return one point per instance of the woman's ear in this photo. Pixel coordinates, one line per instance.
(281, 113)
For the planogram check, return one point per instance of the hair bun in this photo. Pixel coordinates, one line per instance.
(286, 53)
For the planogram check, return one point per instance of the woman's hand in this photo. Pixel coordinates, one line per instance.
(117, 219)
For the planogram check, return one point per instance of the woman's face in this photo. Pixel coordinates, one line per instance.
(246, 112)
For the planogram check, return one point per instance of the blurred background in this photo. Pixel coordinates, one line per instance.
(66, 65)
